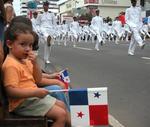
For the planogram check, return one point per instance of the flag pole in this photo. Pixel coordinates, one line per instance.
(63, 90)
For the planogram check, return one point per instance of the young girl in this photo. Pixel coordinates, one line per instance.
(21, 73)
(47, 81)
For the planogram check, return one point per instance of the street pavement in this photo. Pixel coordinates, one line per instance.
(127, 77)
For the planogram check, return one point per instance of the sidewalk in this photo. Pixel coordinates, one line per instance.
(46, 67)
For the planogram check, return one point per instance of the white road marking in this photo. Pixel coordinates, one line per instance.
(146, 58)
(83, 48)
(113, 122)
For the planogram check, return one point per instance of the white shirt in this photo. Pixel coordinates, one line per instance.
(47, 19)
(133, 17)
(117, 25)
(74, 26)
(35, 25)
(97, 23)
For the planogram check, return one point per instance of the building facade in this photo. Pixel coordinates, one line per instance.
(24, 10)
(110, 8)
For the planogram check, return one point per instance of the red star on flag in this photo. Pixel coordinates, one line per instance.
(80, 114)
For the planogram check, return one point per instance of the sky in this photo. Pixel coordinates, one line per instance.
(16, 5)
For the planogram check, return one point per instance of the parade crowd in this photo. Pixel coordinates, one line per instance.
(98, 30)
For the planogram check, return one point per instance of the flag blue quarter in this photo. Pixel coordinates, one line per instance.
(78, 96)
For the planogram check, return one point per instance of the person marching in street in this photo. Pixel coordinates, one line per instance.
(97, 25)
(74, 29)
(134, 20)
(144, 31)
(65, 29)
(35, 23)
(47, 21)
(118, 29)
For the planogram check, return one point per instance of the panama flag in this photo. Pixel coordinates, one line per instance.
(88, 107)
(65, 76)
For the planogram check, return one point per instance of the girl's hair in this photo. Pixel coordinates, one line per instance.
(22, 19)
(27, 21)
(13, 31)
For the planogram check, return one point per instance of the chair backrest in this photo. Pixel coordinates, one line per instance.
(3, 99)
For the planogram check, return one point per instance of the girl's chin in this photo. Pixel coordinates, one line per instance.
(25, 57)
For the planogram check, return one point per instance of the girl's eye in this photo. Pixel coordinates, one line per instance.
(22, 44)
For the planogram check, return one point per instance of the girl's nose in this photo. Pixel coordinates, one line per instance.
(28, 48)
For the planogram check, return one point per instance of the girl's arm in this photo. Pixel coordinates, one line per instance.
(37, 73)
(25, 92)
(47, 81)
(51, 76)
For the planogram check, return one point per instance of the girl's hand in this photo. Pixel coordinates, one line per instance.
(40, 92)
(55, 75)
(61, 84)
(32, 57)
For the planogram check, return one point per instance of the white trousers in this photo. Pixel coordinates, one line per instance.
(135, 39)
(47, 51)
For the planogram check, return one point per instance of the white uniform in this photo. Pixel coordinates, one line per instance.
(74, 30)
(35, 25)
(144, 31)
(97, 26)
(148, 21)
(86, 32)
(134, 20)
(117, 26)
(47, 23)
(65, 30)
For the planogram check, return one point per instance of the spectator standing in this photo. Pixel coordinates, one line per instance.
(134, 20)
(9, 10)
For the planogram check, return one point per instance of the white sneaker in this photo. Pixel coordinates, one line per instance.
(74, 46)
(47, 62)
(142, 46)
(97, 49)
(130, 53)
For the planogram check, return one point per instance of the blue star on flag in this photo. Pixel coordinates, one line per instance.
(97, 94)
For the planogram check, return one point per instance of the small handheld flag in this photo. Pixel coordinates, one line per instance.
(88, 107)
(65, 76)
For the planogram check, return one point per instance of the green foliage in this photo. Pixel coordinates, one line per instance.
(86, 16)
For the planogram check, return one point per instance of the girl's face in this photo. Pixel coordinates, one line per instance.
(22, 46)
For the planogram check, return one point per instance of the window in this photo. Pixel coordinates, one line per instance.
(91, 1)
(109, 1)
